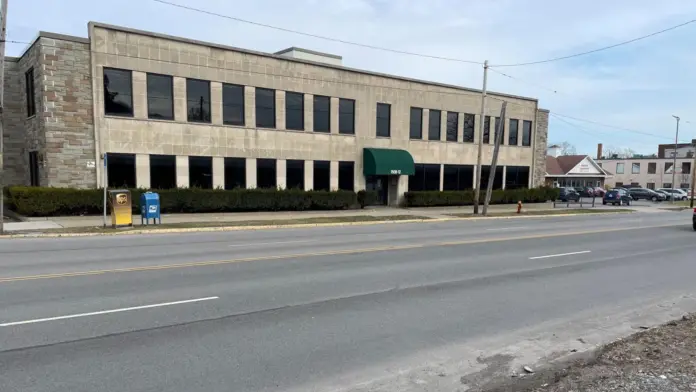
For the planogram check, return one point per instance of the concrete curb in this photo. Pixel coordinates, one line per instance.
(291, 226)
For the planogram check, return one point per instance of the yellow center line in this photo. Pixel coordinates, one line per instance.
(315, 254)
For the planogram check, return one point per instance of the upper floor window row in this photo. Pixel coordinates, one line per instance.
(118, 101)
(435, 125)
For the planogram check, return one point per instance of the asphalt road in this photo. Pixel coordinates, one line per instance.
(311, 309)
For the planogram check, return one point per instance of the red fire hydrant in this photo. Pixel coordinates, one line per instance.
(519, 207)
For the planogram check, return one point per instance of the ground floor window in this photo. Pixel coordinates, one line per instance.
(294, 174)
(162, 171)
(516, 177)
(266, 173)
(497, 180)
(619, 184)
(577, 182)
(120, 170)
(426, 177)
(34, 168)
(458, 177)
(322, 175)
(346, 176)
(235, 173)
(684, 185)
(650, 185)
(667, 185)
(201, 172)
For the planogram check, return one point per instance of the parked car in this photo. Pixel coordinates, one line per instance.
(568, 194)
(646, 194)
(599, 191)
(617, 196)
(693, 220)
(676, 194)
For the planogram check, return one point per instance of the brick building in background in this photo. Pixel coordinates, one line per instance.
(173, 112)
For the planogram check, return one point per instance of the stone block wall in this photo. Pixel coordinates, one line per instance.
(540, 142)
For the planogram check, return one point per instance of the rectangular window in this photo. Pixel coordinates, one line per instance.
(452, 125)
(235, 173)
(322, 175)
(118, 92)
(667, 185)
(499, 128)
(497, 180)
(322, 114)
(434, 118)
(619, 184)
(635, 168)
(425, 178)
(686, 168)
(650, 185)
(346, 116)
(383, 120)
(34, 168)
(294, 111)
(232, 104)
(265, 110)
(458, 177)
(294, 174)
(668, 167)
(526, 133)
(266, 173)
(469, 127)
(684, 185)
(512, 135)
(487, 130)
(516, 177)
(200, 172)
(120, 170)
(30, 92)
(198, 100)
(652, 167)
(160, 97)
(619, 168)
(416, 124)
(346, 176)
(162, 171)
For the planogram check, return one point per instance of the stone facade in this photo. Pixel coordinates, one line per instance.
(73, 131)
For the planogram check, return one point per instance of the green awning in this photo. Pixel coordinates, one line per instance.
(384, 162)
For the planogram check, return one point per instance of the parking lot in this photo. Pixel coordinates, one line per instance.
(587, 202)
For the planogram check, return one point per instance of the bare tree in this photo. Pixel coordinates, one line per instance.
(618, 152)
(566, 148)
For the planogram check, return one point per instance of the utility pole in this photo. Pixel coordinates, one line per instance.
(494, 162)
(674, 161)
(693, 176)
(477, 191)
(3, 36)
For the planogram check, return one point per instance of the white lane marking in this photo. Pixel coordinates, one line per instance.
(508, 228)
(270, 243)
(560, 254)
(188, 301)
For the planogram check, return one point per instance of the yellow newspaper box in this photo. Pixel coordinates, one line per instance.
(121, 207)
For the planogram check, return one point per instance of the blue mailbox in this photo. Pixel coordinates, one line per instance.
(150, 208)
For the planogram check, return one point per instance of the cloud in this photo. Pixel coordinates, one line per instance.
(636, 86)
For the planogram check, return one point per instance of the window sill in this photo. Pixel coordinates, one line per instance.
(33, 116)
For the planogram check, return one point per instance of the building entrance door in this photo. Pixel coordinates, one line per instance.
(379, 184)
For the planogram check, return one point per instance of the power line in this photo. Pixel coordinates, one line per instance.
(594, 50)
(613, 126)
(202, 11)
(523, 81)
(575, 126)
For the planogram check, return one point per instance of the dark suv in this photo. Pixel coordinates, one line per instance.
(617, 196)
(568, 194)
(645, 194)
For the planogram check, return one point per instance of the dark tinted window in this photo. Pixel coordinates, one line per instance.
(198, 100)
(322, 114)
(452, 125)
(434, 123)
(416, 124)
(120, 170)
(265, 110)
(497, 180)
(383, 119)
(34, 168)
(512, 136)
(346, 176)
(30, 92)
(346, 116)
(232, 104)
(160, 97)
(235, 173)
(516, 177)
(266, 173)
(487, 130)
(294, 174)
(458, 177)
(201, 172)
(526, 133)
(425, 178)
(469, 129)
(162, 171)
(294, 111)
(322, 175)
(118, 92)
(499, 128)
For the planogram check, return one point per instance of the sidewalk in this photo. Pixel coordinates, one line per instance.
(433, 213)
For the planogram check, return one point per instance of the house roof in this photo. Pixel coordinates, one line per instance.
(561, 166)
(568, 162)
(552, 166)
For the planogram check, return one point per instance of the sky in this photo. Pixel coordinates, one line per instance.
(638, 87)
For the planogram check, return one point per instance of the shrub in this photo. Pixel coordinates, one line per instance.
(367, 198)
(465, 198)
(38, 201)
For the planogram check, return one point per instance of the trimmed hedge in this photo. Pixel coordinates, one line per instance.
(465, 198)
(43, 201)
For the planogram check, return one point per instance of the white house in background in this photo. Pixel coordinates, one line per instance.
(573, 170)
